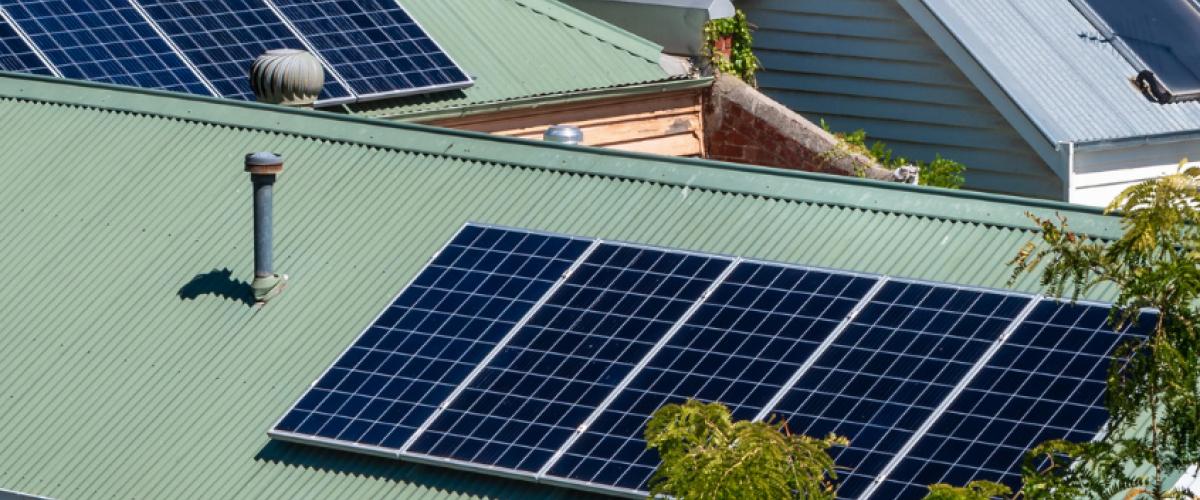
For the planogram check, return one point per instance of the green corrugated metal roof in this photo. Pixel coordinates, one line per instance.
(518, 49)
(112, 385)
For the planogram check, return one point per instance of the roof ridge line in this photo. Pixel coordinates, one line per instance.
(687, 173)
(570, 16)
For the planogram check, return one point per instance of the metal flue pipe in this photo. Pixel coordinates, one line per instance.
(263, 168)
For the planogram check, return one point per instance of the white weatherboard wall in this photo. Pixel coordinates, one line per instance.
(1100, 173)
(865, 64)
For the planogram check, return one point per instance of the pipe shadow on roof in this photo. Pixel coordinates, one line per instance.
(219, 283)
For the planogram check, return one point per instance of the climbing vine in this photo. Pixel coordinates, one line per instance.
(731, 34)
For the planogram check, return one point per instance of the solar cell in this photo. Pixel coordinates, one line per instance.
(884, 375)
(104, 41)
(16, 55)
(572, 353)
(375, 46)
(1161, 36)
(430, 337)
(1046, 381)
(740, 347)
(223, 38)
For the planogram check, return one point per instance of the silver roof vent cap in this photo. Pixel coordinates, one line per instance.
(287, 76)
(563, 134)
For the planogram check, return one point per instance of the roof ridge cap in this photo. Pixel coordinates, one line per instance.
(577, 20)
(688, 173)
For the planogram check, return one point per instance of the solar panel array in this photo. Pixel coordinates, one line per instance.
(1161, 38)
(543, 356)
(369, 49)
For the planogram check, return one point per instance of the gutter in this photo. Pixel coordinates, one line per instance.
(1141, 140)
(542, 100)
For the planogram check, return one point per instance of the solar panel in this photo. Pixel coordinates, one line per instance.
(1161, 37)
(886, 373)
(223, 38)
(571, 354)
(740, 347)
(374, 45)
(541, 356)
(104, 41)
(1046, 382)
(16, 55)
(429, 338)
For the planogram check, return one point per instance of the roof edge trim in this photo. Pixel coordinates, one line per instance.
(661, 86)
(1006, 102)
(689, 173)
(579, 20)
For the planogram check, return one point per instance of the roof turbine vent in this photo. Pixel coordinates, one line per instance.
(287, 76)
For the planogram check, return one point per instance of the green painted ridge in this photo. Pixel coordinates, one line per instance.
(579, 20)
(539, 100)
(965, 206)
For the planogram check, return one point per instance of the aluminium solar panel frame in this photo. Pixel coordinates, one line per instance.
(1131, 56)
(187, 61)
(404, 453)
(392, 452)
(355, 97)
(37, 51)
(351, 97)
(927, 425)
(637, 369)
(962, 384)
(820, 350)
(337, 77)
(541, 476)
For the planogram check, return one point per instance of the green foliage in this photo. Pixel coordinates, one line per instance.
(1153, 397)
(706, 455)
(741, 61)
(976, 490)
(940, 172)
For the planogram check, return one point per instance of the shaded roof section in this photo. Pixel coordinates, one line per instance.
(1055, 65)
(516, 49)
(137, 369)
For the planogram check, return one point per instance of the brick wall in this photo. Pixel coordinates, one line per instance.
(744, 126)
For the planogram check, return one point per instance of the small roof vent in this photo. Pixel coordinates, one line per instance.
(563, 134)
(287, 76)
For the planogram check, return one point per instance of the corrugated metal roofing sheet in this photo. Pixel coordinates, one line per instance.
(127, 219)
(1046, 56)
(524, 48)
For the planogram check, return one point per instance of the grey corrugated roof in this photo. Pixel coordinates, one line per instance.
(1073, 87)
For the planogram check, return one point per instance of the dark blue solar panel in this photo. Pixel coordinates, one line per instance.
(434, 333)
(103, 41)
(373, 44)
(891, 367)
(1163, 34)
(740, 348)
(1046, 382)
(573, 352)
(223, 38)
(16, 55)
